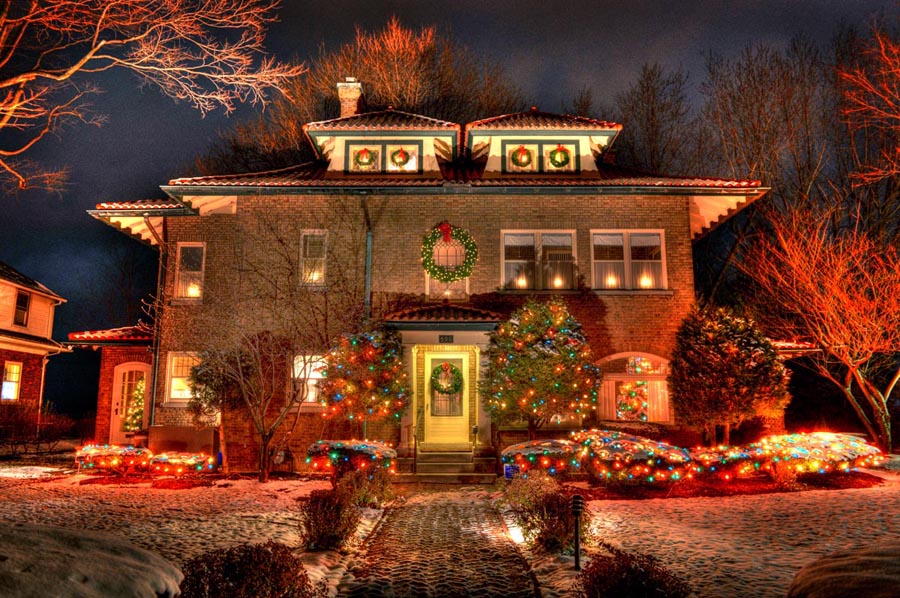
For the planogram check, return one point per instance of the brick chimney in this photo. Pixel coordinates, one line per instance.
(350, 94)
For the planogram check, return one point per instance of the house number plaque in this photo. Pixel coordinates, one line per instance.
(445, 338)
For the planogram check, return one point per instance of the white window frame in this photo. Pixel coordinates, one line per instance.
(28, 298)
(539, 256)
(170, 366)
(313, 362)
(178, 272)
(301, 259)
(17, 384)
(630, 285)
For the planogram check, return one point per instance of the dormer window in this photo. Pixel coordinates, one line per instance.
(394, 157)
(540, 156)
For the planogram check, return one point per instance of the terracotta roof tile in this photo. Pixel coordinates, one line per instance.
(312, 174)
(535, 119)
(389, 119)
(139, 205)
(12, 275)
(444, 312)
(140, 333)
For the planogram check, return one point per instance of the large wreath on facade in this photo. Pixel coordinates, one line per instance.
(559, 158)
(521, 157)
(456, 379)
(444, 231)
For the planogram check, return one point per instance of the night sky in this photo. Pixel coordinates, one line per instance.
(551, 49)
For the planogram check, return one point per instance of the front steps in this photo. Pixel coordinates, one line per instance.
(440, 466)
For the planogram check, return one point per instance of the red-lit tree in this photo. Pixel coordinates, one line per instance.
(364, 379)
(540, 368)
(208, 53)
(839, 288)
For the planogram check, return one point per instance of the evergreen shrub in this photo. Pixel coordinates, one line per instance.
(545, 513)
(328, 519)
(626, 574)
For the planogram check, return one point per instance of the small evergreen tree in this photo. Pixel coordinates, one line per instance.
(540, 367)
(724, 371)
(364, 379)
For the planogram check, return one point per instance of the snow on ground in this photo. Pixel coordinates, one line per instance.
(750, 546)
(742, 546)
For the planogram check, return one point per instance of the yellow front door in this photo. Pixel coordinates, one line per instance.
(447, 412)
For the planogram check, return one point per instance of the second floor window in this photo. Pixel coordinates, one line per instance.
(23, 302)
(538, 260)
(628, 260)
(189, 271)
(312, 258)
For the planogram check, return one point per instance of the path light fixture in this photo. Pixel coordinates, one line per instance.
(577, 510)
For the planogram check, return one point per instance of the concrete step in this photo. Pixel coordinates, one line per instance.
(455, 457)
(444, 478)
(428, 467)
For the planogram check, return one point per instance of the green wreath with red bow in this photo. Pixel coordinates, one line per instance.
(444, 231)
(559, 158)
(456, 379)
(521, 157)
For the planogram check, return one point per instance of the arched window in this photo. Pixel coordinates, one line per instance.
(634, 388)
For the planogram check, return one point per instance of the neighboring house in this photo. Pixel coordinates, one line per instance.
(533, 191)
(125, 363)
(26, 326)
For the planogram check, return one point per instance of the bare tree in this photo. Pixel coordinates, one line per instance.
(839, 289)
(208, 53)
(418, 71)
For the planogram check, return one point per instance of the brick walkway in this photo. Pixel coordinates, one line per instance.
(440, 546)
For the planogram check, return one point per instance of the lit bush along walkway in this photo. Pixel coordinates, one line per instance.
(440, 545)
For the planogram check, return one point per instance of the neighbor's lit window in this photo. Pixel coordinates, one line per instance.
(312, 258)
(189, 271)
(628, 260)
(179, 371)
(23, 302)
(12, 380)
(307, 373)
(538, 260)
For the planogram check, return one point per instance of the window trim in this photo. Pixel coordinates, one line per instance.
(170, 359)
(539, 253)
(626, 240)
(300, 259)
(307, 406)
(179, 246)
(18, 382)
(28, 302)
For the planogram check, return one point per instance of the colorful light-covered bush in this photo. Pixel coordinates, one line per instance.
(552, 456)
(337, 457)
(111, 457)
(616, 457)
(181, 463)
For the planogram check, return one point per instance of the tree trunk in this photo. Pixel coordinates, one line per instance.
(532, 429)
(220, 430)
(264, 458)
(711, 434)
(726, 435)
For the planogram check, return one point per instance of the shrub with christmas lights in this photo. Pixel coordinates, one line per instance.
(113, 458)
(551, 455)
(616, 457)
(338, 457)
(364, 379)
(540, 368)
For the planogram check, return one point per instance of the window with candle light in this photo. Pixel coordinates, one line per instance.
(312, 257)
(539, 260)
(628, 260)
(189, 264)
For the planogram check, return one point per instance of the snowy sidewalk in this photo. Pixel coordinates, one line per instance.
(449, 544)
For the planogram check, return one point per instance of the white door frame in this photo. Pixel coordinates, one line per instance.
(116, 411)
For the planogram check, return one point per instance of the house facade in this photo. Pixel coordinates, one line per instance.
(27, 309)
(525, 204)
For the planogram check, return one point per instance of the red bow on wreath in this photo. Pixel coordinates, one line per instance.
(445, 366)
(445, 229)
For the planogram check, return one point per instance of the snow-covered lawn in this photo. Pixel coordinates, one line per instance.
(741, 546)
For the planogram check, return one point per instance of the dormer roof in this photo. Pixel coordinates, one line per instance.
(382, 120)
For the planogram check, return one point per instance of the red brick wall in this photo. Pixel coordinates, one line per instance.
(639, 321)
(32, 369)
(110, 357)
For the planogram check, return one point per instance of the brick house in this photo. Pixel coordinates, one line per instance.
(549, 214)
(27, 308)
(125, 363)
